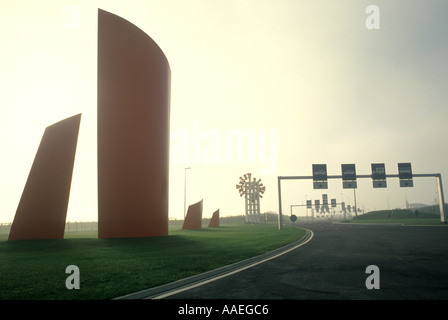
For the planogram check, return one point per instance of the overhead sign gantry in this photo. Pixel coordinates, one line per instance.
(349, 178)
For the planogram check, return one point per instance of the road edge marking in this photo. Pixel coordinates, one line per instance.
(229, 273)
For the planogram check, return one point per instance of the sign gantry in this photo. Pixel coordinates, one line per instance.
(349, 178)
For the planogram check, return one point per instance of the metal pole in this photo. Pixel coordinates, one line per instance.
(279, 203)
(306, 199)
(185, 191)
(356, 207)
(246, 203)
(441, 198)
(251, 211)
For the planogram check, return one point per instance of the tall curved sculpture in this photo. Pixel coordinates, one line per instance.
(214, 221)
(42, 209)
(193, 220)
(133, 131)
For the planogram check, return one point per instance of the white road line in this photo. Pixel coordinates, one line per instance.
(176, 291)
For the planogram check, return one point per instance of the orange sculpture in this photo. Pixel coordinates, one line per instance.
(42, 209)
(214, 221)
(133, 131)
(193, 220)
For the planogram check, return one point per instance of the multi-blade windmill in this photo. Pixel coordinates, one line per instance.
(252, 190)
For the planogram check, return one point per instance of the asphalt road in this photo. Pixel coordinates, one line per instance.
(412, 262)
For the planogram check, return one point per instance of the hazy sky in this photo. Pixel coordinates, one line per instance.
(304, 81)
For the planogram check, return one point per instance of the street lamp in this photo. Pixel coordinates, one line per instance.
(185, 191)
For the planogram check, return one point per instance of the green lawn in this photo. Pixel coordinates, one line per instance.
(35, 269)
(403, 216)
(423, 221)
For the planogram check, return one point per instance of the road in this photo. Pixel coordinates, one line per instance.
(412, 262)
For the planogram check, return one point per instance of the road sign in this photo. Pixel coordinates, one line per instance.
(320, 176)
(406, 183)
(349, 184)
(348, 176)
(317, 205)
(309, 204)
(378, 171)
(379, 184)
(320, 184)
(348, 172)
(404, 171)
(333, 203)
(319, 172)
(379, 175)
(325, 200)
(405, 175)
(293, 218)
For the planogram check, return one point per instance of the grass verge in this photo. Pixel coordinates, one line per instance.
(403, 216)
(35, 269)
(402, 221)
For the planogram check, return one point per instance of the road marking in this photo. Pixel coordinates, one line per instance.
(195, 285)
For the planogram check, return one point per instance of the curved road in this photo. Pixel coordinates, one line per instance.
(413, 264)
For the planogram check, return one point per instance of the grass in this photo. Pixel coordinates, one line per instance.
(402, 221)
(403, 216)
(35, 269)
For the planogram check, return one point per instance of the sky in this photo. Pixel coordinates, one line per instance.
(268, 87)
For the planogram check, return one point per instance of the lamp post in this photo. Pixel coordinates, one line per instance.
(185, 191)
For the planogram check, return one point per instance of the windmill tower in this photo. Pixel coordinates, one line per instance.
(252, 190)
